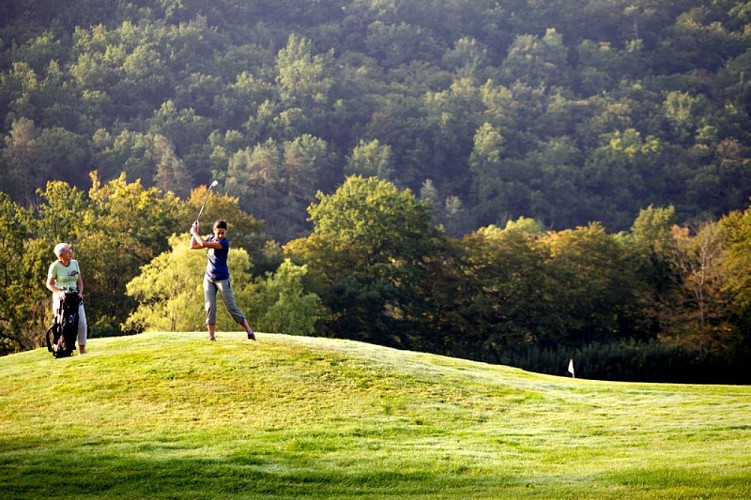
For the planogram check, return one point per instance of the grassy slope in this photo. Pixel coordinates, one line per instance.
(172, 415)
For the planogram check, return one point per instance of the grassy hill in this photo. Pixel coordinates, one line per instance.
(173, 416)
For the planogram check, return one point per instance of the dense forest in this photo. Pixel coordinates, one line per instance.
(535, 179)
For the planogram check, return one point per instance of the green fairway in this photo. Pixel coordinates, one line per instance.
(174, 416)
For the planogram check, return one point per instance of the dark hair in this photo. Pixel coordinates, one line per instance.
(220, 224)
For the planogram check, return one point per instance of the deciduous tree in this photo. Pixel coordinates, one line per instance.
(379, 238)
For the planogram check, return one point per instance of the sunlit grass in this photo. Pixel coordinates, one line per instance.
(174, 416)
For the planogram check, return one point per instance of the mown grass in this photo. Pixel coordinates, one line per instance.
(173, 416)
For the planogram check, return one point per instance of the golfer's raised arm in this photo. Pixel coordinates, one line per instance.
(196, 241)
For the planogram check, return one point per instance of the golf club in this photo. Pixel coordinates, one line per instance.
(213, 184)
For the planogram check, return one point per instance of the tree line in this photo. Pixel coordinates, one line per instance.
(661, 301)
(564, 111)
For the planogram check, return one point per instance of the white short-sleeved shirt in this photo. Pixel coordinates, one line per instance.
(66, 277)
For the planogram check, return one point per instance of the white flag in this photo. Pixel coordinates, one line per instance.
(571, 367)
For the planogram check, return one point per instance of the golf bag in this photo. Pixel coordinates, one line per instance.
(61, 336)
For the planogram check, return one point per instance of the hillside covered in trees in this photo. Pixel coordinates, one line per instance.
(562, 111)
(513, 181)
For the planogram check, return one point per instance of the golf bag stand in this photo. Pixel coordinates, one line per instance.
(61, 336)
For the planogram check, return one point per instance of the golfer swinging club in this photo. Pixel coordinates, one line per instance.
(217, 278)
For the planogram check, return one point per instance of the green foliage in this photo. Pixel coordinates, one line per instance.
(302, 77)
(499, 291)
(381, 237)
(487, 174)
(524, 224)
(371, 159)
(600, 289)
(611, 179)
(276, 181)
(125, 228)
(738, 225)
(652, 228)
(518, 286)
(59, 214)
(144, 88)
(536, 61)
(281, 303)
(364, 213)
(32, 156)
(22, 306)
(699, 307)
(167, 291)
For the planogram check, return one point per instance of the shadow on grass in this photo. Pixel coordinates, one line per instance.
(69, 469)
(37, 469)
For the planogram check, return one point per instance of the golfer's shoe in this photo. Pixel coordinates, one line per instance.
(251, 335)
(213, 339)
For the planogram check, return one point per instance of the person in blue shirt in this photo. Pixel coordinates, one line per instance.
(216, 279)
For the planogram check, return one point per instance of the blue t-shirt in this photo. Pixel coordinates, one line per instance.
(216, 267)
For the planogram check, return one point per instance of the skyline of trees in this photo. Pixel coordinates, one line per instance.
(376, 269)
(564, 112)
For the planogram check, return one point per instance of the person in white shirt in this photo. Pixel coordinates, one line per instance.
(63, 276)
